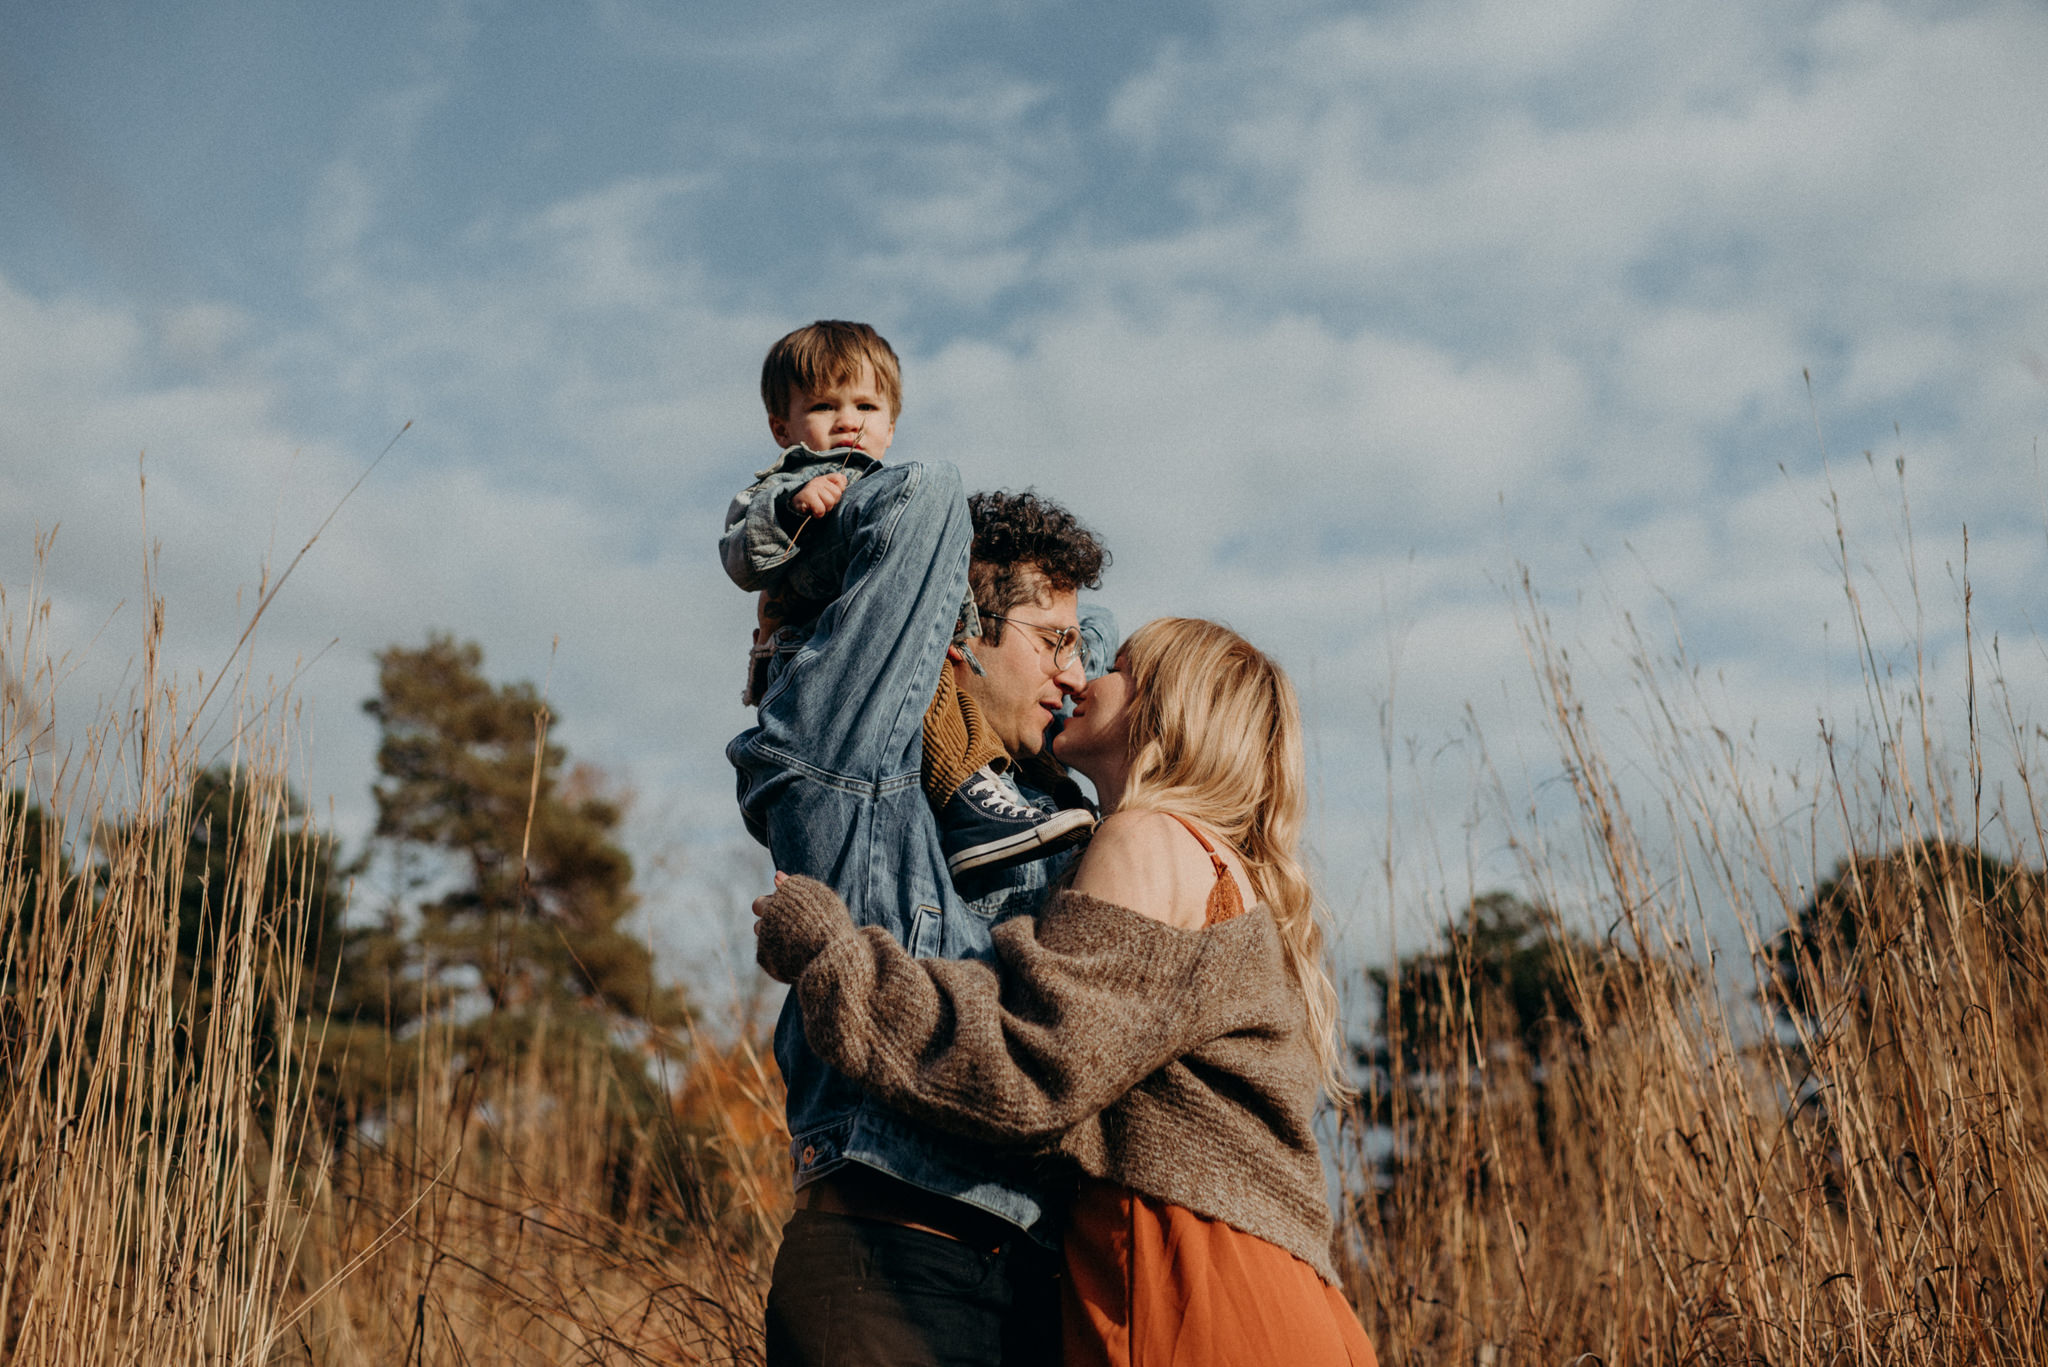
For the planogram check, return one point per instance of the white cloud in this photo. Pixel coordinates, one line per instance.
(1328, 321)
(603, 245)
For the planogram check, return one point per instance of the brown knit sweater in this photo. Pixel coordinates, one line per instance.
(1173, 1062)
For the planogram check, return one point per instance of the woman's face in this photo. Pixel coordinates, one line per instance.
(1097, 737)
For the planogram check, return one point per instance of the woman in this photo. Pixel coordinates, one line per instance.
(1164, 1041)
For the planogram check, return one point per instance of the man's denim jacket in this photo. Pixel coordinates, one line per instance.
(828, 780)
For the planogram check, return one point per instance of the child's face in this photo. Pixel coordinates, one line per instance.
(853, 414)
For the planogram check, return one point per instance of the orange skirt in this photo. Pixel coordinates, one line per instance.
(1155, 1285)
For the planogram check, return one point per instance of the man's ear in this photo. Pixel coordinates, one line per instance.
(779, 428)
(954, 654)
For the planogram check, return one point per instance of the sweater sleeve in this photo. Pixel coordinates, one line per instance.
(1085, 1001)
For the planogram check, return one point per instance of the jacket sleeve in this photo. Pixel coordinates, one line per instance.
(1084, 1002)
(757, 546)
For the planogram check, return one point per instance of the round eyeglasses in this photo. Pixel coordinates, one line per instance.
(1063, 642)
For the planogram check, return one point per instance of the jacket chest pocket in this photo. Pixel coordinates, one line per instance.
(926, 934)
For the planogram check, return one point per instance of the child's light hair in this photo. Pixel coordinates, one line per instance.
(827, 353)
(1215, 736)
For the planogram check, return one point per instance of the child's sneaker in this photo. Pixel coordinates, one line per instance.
(988, 823)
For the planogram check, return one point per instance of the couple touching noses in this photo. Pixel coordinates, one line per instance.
(1157, 1033)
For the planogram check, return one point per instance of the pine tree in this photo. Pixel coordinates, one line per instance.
(1811, 966)
(35, 873)
(38, 883)
(512, 864)
(244, 848)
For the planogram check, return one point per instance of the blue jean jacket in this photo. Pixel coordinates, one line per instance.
(828, 780)
(755, 550)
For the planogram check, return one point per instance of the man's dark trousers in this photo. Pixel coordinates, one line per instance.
(849, 1292)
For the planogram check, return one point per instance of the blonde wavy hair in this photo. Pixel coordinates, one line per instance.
(1215, 736)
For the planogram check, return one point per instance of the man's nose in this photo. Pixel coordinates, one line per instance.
(1072, 679)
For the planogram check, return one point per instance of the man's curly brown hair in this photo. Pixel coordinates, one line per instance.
(1025, 546)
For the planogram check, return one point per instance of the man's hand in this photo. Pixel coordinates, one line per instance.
(819, 496)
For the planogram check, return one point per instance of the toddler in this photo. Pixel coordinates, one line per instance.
(833, 391)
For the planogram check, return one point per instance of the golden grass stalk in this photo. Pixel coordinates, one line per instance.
(491, 1221)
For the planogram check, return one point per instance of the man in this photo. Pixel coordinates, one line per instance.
(910, 1246)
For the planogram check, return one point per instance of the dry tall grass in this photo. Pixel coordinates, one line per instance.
(1857, 1176)
(149, 1141)
(1682, 1182)
(493, 1223)
(173, 1188)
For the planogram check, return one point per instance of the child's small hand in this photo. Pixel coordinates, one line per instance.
(820, 496)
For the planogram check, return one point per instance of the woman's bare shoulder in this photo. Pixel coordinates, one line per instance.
(1136, 832)
(1136, 860)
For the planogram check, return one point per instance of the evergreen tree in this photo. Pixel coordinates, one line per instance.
(1505, 966)
(298, 909)
(35, 874)
(35, 870)
(301, 904)
(519, 881)
(297, 879)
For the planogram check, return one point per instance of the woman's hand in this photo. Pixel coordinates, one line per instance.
(795, 923)
(764, 905)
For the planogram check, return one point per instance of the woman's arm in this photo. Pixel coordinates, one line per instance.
(1087, 1000)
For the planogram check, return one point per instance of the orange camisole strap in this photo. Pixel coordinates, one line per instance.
(1224, 899)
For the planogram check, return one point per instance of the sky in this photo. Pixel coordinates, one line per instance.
(1339, 322)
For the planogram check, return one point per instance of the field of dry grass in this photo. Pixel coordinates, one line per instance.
(1857, 1173)
(1687, 1177)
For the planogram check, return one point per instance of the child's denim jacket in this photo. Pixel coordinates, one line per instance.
(759, 550)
